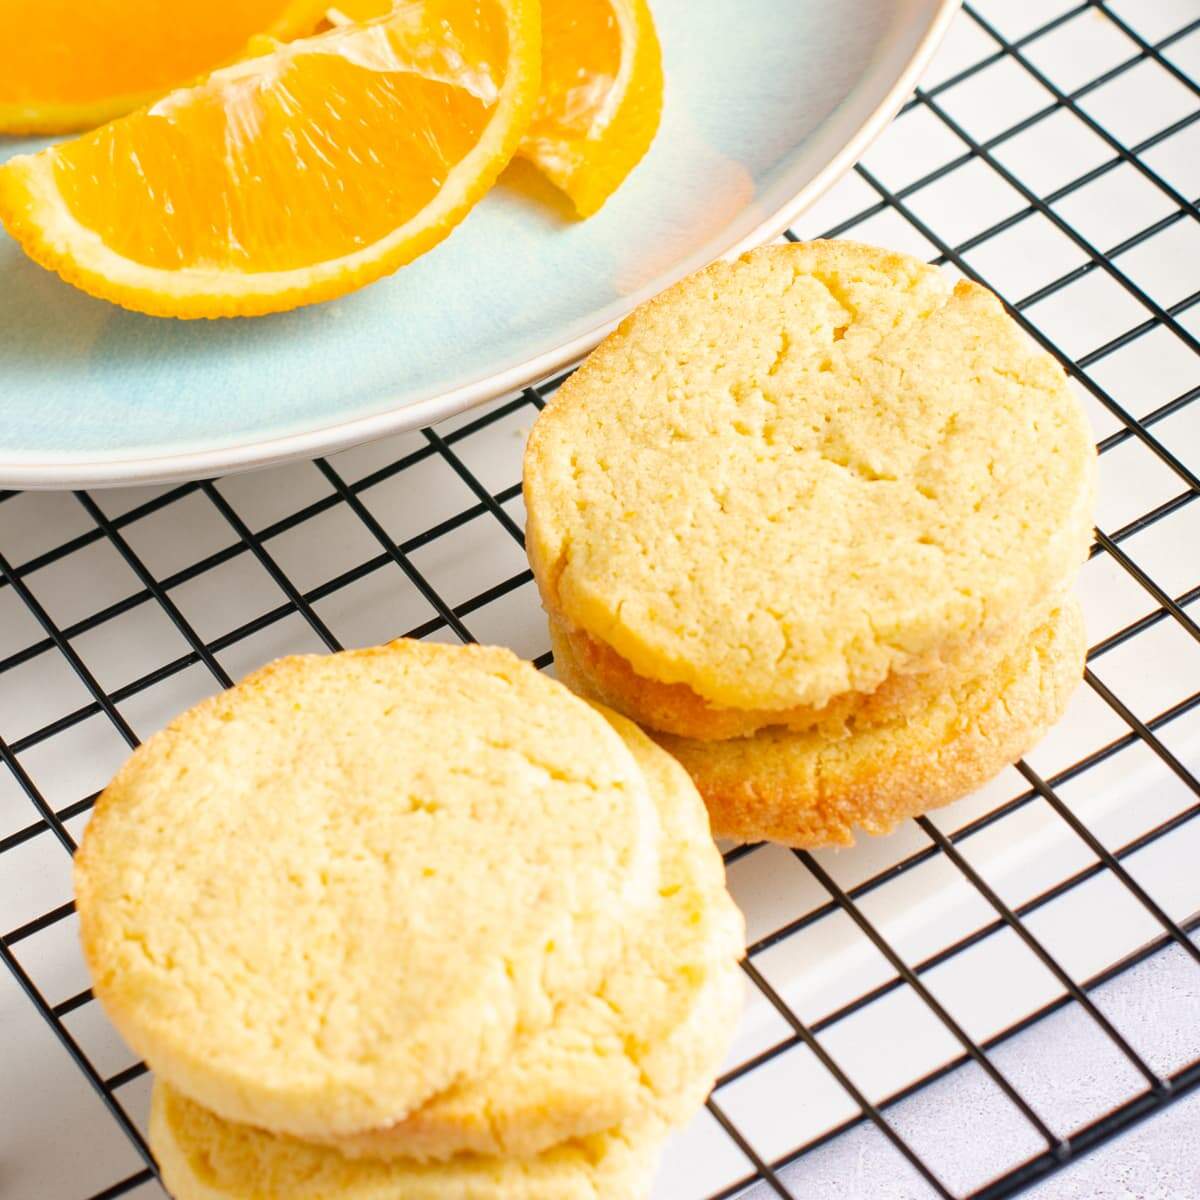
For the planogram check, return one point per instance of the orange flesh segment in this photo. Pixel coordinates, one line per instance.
(67, 53)
(584, 138)
(581, 57)
(278, 163)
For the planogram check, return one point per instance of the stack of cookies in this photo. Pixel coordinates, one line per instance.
(410, 923)
(811, 519)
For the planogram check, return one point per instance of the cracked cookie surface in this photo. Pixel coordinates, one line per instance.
(794, 475)
(320, 898)
(645, 1046)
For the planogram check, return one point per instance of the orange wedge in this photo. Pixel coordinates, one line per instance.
(66, 65)
(289, 178)
(602, 93)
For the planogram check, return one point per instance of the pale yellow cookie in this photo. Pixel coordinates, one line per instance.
(317, 900)
(793, 475)
(203, 1157)
(646, 1047)
(675, 708)
(805, 789)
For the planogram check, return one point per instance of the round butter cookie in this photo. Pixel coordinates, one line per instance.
(805, 789)
(645, 1047)
(675, 708)
(203, 1157)
(792, 475)
(322, 897)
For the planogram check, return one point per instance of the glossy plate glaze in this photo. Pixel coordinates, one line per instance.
(766, 105)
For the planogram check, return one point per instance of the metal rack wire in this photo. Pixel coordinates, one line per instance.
(491, 514)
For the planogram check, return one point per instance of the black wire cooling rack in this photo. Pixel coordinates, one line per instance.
(356, 548)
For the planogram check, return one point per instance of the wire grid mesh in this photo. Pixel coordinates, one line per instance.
(133, 604)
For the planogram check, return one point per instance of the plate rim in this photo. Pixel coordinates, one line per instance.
(328, 439)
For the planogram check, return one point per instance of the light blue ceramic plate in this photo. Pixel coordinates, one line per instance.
(768, 102)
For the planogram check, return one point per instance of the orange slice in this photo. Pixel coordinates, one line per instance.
(292, 177)
(66, 65)
(602, 93)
